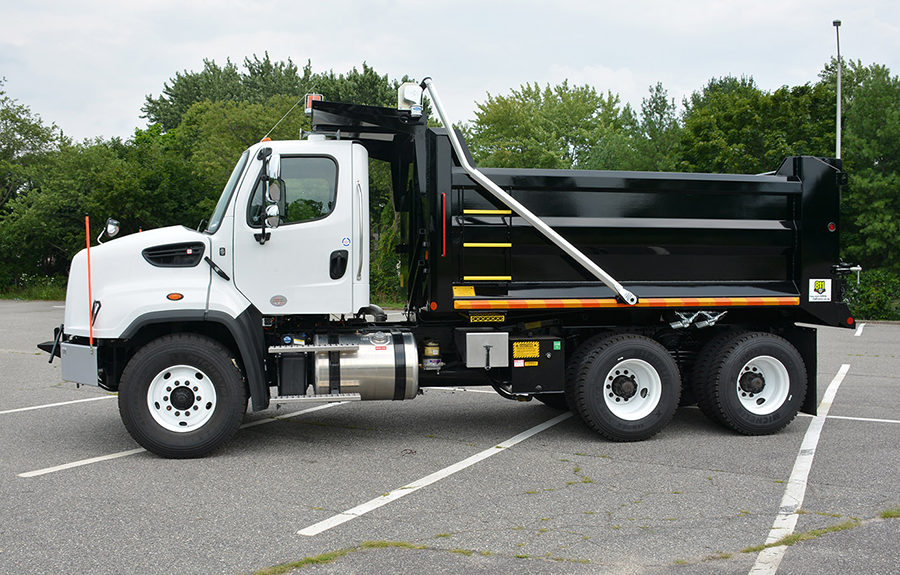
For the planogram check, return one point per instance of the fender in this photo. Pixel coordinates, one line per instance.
(245, 329)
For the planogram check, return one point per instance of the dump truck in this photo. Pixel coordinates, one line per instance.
(617, 295)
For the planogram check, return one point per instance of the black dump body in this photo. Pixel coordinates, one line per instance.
(762, 247)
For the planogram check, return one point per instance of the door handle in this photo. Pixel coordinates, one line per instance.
(338, 264)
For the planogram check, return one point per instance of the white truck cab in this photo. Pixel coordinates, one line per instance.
(312, 257)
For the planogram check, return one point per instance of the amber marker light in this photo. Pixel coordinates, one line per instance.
(433, 306)
(174, 296)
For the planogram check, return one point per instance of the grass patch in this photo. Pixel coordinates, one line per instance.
(390, 545)
(466, 552)
(51, 288)
(335, 555)
(890, 513)
(305, 562)
(795, 538)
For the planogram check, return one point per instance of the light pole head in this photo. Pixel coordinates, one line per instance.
(837, 23)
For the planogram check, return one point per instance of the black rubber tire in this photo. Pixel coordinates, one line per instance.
(208, 356)
(573, 364)
(722, 388)
(599, 357)
(554, 400)
(700, 381)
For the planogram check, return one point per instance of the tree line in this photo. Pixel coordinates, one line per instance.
(171, 171)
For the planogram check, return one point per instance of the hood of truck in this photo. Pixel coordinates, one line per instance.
(153, 271)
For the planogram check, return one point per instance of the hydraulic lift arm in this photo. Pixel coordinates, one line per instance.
(526, 214)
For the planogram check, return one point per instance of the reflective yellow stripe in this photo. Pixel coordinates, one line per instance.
(487, 212)
(487, 245)
(487, 278)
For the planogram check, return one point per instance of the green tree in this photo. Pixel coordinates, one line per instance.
(648, 142)
(723, 128)
(44, 225)
(214, 83)
(871, 153)
(550, 127)
(24, 140)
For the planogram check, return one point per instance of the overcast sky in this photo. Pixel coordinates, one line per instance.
(87, 65)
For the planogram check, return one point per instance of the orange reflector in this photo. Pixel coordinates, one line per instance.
(175, 296)
(433, 306)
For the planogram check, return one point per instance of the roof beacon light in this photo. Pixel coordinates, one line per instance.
(409, 97)
(310, 98)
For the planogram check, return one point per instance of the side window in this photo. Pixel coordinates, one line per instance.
(309, 187)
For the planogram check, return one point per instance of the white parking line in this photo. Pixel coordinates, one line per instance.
(848, 418)
(80, 463)
(56, 404)
(871, 419)
(859, 329)
(769, 559)
(373, 504)
(101, 458)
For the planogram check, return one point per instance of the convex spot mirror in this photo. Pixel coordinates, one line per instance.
(273, 216)
(110, 230)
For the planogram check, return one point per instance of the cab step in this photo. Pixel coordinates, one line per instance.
(329, 398)
(312, 348)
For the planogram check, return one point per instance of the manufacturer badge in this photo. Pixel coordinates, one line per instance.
(278, 300)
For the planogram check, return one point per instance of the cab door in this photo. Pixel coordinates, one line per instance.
(304, 264)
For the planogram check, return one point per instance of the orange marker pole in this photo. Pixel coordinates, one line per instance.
(87, 235)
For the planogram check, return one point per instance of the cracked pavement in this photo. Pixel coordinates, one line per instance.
(563, 501)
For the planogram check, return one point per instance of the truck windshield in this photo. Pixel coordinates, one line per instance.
(216, 219)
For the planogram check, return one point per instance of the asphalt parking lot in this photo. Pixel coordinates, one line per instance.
(407, 487)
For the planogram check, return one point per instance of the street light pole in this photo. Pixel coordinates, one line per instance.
(837, 144)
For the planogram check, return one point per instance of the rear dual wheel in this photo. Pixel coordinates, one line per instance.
(625, 387)
(752, 382)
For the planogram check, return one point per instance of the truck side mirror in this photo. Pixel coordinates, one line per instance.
(272, 185)
(273, 178)
(273, 166)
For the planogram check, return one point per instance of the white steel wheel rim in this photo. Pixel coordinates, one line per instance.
(181, 398)
(763, 385)
(632, 389)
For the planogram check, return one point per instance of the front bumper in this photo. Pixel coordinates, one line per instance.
(79, 361)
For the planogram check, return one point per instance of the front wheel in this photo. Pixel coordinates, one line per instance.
(626, 387)
(182, 396)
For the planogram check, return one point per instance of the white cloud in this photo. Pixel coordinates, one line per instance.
(87, 64)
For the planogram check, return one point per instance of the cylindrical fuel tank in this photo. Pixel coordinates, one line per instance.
(385, 365)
